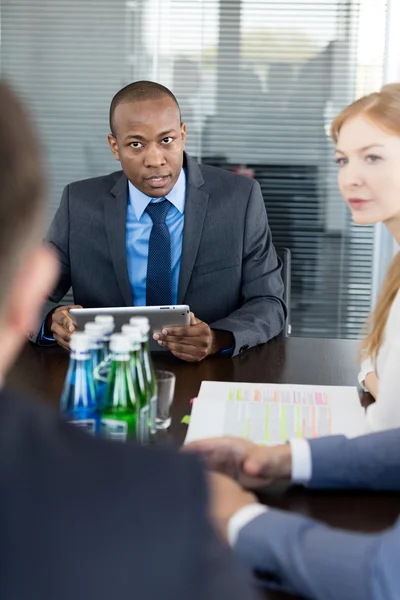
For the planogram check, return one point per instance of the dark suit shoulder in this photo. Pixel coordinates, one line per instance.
(106, 519)
(224, 177)
(34, 432)
(95, 183)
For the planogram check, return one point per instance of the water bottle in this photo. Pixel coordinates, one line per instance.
(108, 328)
(120, 405)
(142, 323)
(134, 335)
(78, 399)
(95, 331)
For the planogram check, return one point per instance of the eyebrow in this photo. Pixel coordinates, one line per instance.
(133, 136)
(362, 149)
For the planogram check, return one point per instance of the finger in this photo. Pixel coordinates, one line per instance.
(198, 342)
(63, 318)
(62, 315)
(257, 463)
(187, 357)
(186, 348)
(181, 332)
(59, 332)
(193, 320)
(61, 342)
(211, 444)
(66, 322)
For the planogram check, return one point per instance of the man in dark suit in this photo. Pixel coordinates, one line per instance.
(167, 230)
(83, 518)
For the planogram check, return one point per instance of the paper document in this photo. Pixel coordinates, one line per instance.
(270, 413)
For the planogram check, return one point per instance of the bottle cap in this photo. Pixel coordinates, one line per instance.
(120, 343)
(80, 342)
(94, 330)
(107, 321)
(141, 322)
(104, 319)
(132, 332)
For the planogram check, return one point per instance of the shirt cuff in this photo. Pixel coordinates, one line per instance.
(367, 366)
(241, 518)
(301, 461)
(43, 337)
(227, 352)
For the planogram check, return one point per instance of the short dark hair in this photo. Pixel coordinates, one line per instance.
(139, 91)
(21, 185)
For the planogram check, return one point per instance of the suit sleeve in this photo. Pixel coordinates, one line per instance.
(370, 461)
(58, 239)
(262, 314)
(222, 576)
(301, 556)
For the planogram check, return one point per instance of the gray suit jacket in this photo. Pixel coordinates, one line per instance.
(230, 275)
(299, 555)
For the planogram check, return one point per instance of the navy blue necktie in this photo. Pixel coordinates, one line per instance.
(159, 279)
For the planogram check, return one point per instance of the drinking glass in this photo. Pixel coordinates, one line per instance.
(165, 395)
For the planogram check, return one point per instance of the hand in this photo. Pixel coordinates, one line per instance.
(226, 498)
(191, 343)
(252, 465)
(60, 324)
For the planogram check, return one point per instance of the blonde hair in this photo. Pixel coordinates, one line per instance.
(383, 108)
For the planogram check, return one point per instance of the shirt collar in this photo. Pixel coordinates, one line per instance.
(176, 196)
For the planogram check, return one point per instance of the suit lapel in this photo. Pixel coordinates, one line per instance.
(115, 223)
(195, 212)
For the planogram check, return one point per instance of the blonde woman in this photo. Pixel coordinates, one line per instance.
(367, 138)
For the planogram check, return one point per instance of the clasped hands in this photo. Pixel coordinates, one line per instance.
(237, 465)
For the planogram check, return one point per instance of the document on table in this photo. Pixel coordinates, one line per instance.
(270, 414)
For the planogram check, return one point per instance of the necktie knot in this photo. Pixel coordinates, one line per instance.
(158, 211)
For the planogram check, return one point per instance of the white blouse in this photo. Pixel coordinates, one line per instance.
(385, 412)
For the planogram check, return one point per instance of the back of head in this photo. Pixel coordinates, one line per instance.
(21, 186)
(383, 109)
(139, 91)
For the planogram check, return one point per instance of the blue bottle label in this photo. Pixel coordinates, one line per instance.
(114, 430)
(88, 425)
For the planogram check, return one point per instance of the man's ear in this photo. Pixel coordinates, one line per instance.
(113, 145)
(34, 282)
(183, 133)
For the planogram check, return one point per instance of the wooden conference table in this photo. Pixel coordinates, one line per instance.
(287, 360)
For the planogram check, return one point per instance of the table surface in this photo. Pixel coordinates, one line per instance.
(286, 360)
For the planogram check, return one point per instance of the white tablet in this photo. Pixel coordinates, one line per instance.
(159, 317)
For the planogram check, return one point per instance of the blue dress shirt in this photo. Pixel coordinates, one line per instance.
(138, 228)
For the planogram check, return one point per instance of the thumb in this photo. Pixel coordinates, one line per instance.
(193, 320)
(256, 463)
(68, 323)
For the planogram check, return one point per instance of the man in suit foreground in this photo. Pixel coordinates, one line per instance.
(166, 230)
(293, 553)
(83, 518)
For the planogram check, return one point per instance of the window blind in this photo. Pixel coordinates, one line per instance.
(258, 82)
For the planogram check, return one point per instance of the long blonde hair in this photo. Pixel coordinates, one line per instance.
(383, 108)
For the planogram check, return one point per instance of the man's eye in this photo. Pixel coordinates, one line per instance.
(136, 145)
(167, 140)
